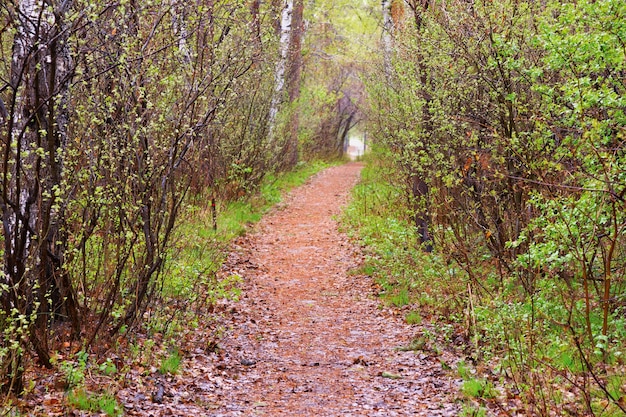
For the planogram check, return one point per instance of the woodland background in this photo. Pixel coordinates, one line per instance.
(494, 201)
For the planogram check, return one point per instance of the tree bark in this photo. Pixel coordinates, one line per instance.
(32, 190)
(281, 65)
(255, 28)
(287, 76)
(294, 77)
(386, 37)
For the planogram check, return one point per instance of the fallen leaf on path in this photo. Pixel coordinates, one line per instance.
(390, 375)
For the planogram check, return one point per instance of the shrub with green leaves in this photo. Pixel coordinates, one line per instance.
(513, 114)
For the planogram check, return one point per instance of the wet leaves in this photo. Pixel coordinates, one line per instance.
(320, 342)
(307, 336)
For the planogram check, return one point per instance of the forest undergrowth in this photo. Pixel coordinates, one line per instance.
(189, 302)
(513, 348)
(494, 204)
(501, 129)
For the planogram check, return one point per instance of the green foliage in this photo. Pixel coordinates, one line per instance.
(15, 328)
(95, 403)
(171, 363)
(108, 367)
(478, 388)
(463, 370)
(163, 106)
(512, 113)
(378, 216)
(474, 387)
(413, 317)
(400, 298)
(192, 273)
(154, 104)
(74, 371)
(473, 411)
(237, 215)
(340, 34)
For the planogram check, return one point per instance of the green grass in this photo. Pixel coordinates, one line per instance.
(191, 283)
(199, 251)
(95, 403)
(413, 317)
(379, 218)
(234, 219)
(463, 370)
(171, 363)
(474, 387)
(274, 187)
(470, 410)
(478, 388)
(399, 299)
(527, 335)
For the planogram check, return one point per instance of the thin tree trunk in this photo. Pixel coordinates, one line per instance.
(32, 189)
(387, 38)
(420, 188)
(255, 28)
(294, 78)
(277, 8)
(281, 65)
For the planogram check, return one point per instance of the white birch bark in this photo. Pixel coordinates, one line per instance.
(281, 65)
(387, 39)
(40, 76)
(19, 187)
(179, 24)
(33, 167)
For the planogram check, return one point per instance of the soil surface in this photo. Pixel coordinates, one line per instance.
(308, 337)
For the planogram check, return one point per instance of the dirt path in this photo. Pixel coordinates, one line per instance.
(308, 338)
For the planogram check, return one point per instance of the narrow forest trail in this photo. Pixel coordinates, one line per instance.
(307, 338)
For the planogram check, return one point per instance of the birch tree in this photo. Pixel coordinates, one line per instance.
(386, 38)
(35, 285)
(109, 113)
(288, 74)
(281, 65)
(294, 77)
